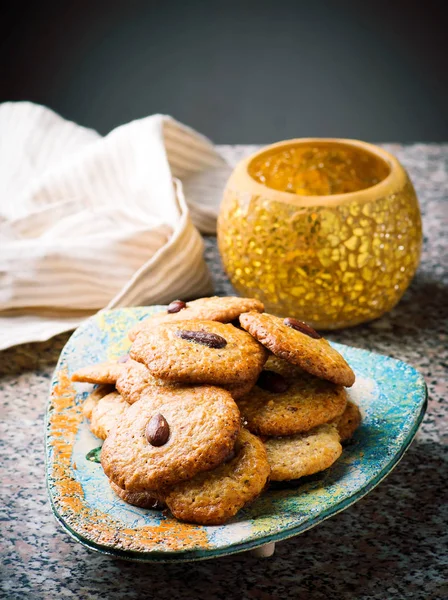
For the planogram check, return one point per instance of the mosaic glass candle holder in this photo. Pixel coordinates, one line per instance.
(325, 230)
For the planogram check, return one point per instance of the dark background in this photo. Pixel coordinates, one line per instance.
(240, 72)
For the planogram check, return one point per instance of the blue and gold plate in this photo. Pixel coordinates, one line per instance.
(390, 393)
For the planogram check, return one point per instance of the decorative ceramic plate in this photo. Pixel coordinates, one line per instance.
(390, 393)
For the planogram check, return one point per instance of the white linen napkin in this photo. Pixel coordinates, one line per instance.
(90, 222)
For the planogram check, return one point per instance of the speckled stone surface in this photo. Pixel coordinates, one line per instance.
(391, 544)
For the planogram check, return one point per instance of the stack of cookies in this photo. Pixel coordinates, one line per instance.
(215, 399)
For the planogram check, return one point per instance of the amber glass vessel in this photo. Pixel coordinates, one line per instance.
(326, 230)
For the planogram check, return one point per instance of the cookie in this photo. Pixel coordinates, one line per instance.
(92, 399)
(287, 400)
(224, 309)
(239, 390)
(304, 453)
(141, 499)
(106, 414)
(136, 378)
(214, 497)
(348, 422)
(101, 373)
(300, 345)
(169, 435)
(199, 351)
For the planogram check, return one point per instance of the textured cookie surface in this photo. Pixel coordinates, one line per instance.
(224, 309)
(92, 399)
(106, 414)
(169, 356)
(315, 356)
(239, 390)
(141, 499)
(303, 454)
(203, 422)
(303, 402)
(105, 372)
(214, 497)
(349, 421)
(134, 379)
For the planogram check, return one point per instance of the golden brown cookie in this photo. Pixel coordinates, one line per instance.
(214, 497)
(307, 350)
(92, 399)
(106, 414)
(141, 499)
(199, 351)
(135, 378)
(169, 435)
(224, 309)
(349, 421)
(239, 390)
(102, 373)
(303, 454)
(287, 400)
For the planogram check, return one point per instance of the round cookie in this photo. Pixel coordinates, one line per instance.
(135, 379)
(304, 453)
(183, 352)
(287, 400)
(106, 414)
(203, 424)
(101, 373)
(348, 422)
(214, 497)
(239, 390)
(140, 499)
(314, 355)
(216, 308)
(92, 399)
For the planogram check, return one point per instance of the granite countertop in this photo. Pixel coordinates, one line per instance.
(391, 544)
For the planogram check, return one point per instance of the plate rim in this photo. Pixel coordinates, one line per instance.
(192, 555)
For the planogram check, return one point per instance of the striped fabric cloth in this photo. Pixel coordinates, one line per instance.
(90, 222)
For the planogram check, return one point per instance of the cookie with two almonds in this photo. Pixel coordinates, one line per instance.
(212, 498)
(169, 436)
(199, 351)
(298, 343)
(287, 400)
(224, 309)
(292, 457)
